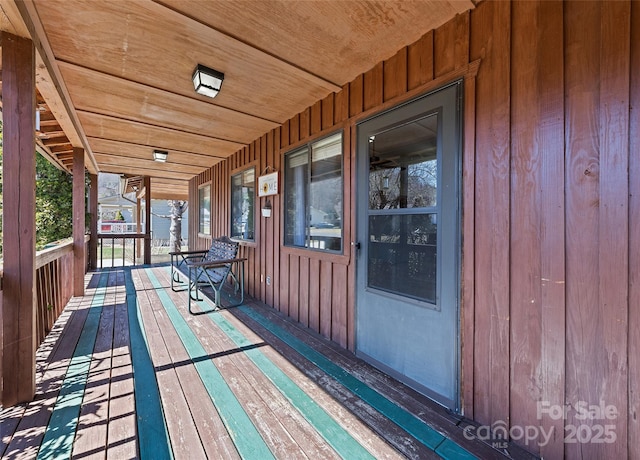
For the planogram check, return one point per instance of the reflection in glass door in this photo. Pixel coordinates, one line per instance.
(403, 199)
(407, 268)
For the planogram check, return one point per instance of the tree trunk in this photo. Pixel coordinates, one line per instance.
(175, 230)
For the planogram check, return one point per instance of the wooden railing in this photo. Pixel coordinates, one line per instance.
(118, 250)
(54, 273)
(54, 286)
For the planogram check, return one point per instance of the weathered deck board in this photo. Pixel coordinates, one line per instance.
(153, 381)
(91, 435)
(313, 390)
(182, 432)
(291, 421)
(246, 382)
(29, 432)
(122, 416)
(206, 419)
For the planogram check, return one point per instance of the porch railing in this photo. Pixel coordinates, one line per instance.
(117, 250)
(54, 270)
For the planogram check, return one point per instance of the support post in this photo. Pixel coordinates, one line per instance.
(93, 211)
(18, 223)
(79, 246)
(147, 220)
(138, 223)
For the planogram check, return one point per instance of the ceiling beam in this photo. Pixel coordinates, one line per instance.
(234, 42)
(107, 127)
(142, 171)
(139, 102)
(145, 152)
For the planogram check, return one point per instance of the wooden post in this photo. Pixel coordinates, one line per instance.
(138, 224)
(93, 210)
(147, 220)
(18, 223)
(79, 246)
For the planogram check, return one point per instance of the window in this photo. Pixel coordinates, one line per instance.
(204, 203)
(243, 186)
(313, 195)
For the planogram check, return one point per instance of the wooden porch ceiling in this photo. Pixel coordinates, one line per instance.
(116, 76)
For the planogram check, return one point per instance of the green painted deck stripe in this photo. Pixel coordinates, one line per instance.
(57, 442)
(153, 437)
(335, 435)
(245, 436)
(449, 450)
(407, 421)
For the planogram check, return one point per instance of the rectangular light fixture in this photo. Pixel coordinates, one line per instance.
(160, 155)
(207, 81)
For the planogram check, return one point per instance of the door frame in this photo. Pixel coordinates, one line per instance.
(459, 183)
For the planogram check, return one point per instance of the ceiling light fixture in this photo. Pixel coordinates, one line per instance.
(207, 81)
(160, 155)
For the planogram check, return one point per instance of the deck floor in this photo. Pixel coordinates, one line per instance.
(127, 372)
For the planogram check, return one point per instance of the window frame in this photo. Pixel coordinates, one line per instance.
(307, 145)
(234, 173)
(204, 234)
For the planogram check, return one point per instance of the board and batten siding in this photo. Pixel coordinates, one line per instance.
(550, 276)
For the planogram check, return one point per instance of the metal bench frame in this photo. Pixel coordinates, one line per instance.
(210, 267)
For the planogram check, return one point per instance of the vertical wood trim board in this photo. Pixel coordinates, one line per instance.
(491, 42)
(537, 217)
(634, 238)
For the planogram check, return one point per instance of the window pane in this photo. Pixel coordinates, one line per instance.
(313, 195)
(204, 200)
(242, 205)
(402, 255)
(296, 172)
(403, 166)
(325, 194)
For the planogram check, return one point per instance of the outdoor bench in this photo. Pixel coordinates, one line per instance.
(209, 267)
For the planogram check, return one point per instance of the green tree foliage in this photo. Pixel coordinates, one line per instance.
(54, 204)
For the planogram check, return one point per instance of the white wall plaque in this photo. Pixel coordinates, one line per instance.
(268, 184)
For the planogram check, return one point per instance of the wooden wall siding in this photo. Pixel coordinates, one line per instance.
(490, 39)
(634, 239)
(551, 185)
(537, 216)
(313, 288)
(597, 209)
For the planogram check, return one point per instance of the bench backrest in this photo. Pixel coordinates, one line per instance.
(221, 249)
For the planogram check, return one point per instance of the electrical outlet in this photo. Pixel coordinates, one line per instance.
(268, 280)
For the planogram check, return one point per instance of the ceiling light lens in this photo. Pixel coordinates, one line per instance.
(160, 155)
(207, 81)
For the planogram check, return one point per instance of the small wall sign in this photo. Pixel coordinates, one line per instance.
(268, 184)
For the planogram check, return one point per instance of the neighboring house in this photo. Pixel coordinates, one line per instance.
(109, 207)
(108, 210)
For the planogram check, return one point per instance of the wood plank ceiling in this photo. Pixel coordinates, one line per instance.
(119, 72)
